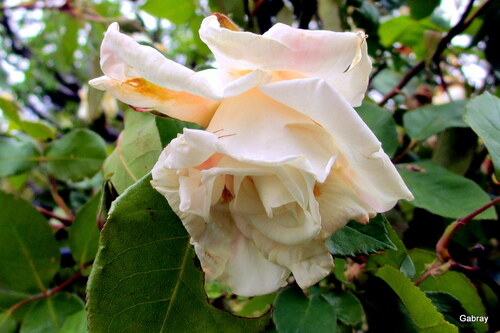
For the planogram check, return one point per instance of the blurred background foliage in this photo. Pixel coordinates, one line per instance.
(67, 151)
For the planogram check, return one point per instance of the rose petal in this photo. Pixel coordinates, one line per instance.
(339, 58)
(141, 76)
(365, 164)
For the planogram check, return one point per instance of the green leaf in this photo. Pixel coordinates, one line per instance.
(431, 119)
(397, 257)
(422, 8)
(257, 305)
(483, 115)
(356, 238)
(381, 122)
(297, 313)
(144, 278)
(168, 128)
(451, 309)
(454, 283)
(406, 31)
(444, 193)
(7, 323)
(348, 307)
(49, 314)
(29, 253)
(37, 129)
(420, 308)
(136, 152)
(76, 155)
(177, 12)
(75, 323)
(84, 233)
(17, 156)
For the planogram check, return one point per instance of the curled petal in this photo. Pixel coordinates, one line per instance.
(363, 161)
(339, 58)
(142, 77)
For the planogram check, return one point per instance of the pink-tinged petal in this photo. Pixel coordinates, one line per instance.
(362, 160)
(339, 58)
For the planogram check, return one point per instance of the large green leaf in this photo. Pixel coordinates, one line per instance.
(84, 233)
(144, 278)
(36, 129)
(136, 151)
(451, 309)
(483, 115)
(75, 323)
(17, 156)
(382, 124)
(431, 119)
(356, 238)
(296, 313)
(444, 193)
(454, 283)
(7, 323)
(397, 257)
(422, 8)
(348, 307)
(422, 311)
(29, 252)
(48, 315)
(175, 11)
(76, 155)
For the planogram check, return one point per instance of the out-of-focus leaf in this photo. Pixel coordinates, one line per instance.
(37, 129)
(295, 312)
(348, 307)
(7, 323)
(29, 252)
(84, 233)
(75, 323)
(177, 12)
(356, 238)
(144, 278)
(382, 124)
(49, 314)
(234, 9)
(136, 152)
(422, 8)
(406, 31)
(483, 115)
(257, 305)
(76, 155)
(17, 156)
(451, 309)
(444, 193)
(431, 119)
(454, 283)
(420, 308)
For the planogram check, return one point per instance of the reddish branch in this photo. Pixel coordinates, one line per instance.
(444, 260)
(45, 294)
(58, 199)
(66, 221)
(463, 24)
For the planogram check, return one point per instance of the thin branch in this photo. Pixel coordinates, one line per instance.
(444, 261)
(405, 152)
(48, 293)
(66, 221)
(58, 199)
(463, 24)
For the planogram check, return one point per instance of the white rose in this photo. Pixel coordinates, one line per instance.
(285, 160)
